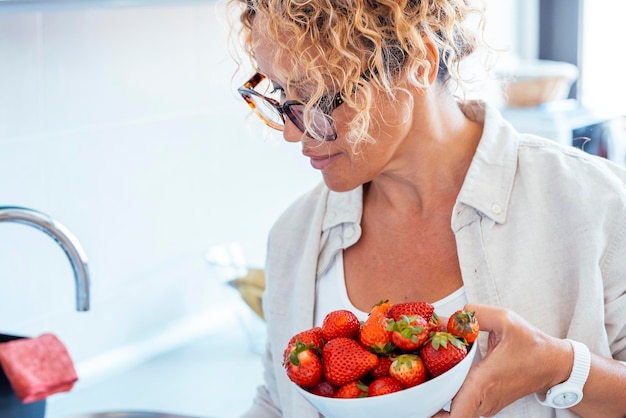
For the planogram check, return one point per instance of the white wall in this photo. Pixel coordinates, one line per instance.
(513, 27)
(123, 124)
(511, 32)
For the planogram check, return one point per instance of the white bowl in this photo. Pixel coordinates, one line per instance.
(421, 401)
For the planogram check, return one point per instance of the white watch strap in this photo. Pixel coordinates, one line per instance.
(578, 376)
(582, 364)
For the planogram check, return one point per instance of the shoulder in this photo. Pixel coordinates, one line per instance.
(510, 167)
(561, 162)
(503, 145)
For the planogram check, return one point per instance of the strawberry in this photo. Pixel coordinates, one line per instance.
(345, 360)
(374, 334)
(383, 386)
(382, 368)
(341, 323)
(382, 306)
(442, 352)
(310, 336)
(408, 369)
(354, 389)
(423, 309)
(435, 324)
(408, 333)
(463, 324)
(323, 388)
(304, 367)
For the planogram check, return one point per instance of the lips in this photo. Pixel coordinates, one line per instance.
(320, 162)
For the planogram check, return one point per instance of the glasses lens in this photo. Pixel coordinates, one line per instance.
(265, 99)
(267, 111)
(320, 125)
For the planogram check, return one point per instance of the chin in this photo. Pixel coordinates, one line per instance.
(340, 185)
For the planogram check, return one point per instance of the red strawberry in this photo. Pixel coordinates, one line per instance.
(463, 324)
(346, 360)
(323, 388)
(311, 336)
(383, 386)
(423, 309)
(408, 369)
(382, 368)
(304, 367)
(408, 333)
(352, 390)
(341, 323)
(374, 334)
(442, 352)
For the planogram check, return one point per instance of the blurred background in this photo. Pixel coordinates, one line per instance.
(120, 119)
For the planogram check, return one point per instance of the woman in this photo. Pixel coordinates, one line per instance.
(428, 197)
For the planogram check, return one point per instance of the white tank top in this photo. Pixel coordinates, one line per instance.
(331, 295)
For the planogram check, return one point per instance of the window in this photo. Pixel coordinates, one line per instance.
(602, 60)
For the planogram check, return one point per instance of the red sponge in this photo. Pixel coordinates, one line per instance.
(37, 367)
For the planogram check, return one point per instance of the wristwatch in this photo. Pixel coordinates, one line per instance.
(570, 392)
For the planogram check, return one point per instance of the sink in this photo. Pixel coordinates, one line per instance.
(131, 414)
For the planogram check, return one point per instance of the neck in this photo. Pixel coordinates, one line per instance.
(432, 159)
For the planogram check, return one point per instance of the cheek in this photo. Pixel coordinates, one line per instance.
(391, 118)
(390, 121)
(394, 115)
(390, 125)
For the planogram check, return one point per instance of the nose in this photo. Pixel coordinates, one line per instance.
(291, 133)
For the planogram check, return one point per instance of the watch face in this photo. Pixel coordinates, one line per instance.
(565, 399)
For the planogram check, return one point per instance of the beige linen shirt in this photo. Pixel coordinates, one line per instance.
(540, 229)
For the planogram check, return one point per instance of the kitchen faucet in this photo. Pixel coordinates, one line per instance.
(64, 238)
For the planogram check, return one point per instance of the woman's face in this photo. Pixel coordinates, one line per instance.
(342, 168)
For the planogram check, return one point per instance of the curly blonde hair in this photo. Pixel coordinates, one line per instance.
(340, 41)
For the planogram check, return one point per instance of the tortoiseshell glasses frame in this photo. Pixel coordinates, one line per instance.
(274, 114)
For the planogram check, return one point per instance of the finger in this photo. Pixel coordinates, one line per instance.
(467, 401)
(490, 318)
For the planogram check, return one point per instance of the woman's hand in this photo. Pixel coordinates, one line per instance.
(520, 360)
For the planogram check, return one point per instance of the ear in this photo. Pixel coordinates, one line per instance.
(432, 56)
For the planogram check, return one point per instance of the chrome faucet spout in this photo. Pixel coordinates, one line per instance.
(66, 240)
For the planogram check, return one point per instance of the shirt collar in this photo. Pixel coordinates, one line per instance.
(489, 181)
(343, 207)
(340, 227)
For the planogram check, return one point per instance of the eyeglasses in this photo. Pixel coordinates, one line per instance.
(264, 99)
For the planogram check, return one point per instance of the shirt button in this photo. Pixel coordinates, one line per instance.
(331, 215)
(349, 232)
(496, 208)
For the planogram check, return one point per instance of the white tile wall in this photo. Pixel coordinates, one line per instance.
(122, 123)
